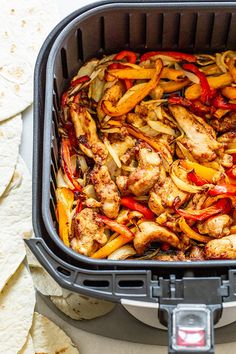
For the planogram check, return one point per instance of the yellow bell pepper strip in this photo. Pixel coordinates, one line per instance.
(204, 172)
(191, 233)
(132, 204)
(65, 199)
(229, 92)
(135, 97)
(144, 74)
(232, 68)
(111, 246)
(66, 164)
(172, 86)
(227, 189)
(193, 92)
(233, 229)
(221, 206)
(193, 177)
(205, 87)
(176, 55)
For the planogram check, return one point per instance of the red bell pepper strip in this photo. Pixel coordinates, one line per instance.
(66, 164)
(132, 204)
(221, 206)
(206, 93)
(176, 55)
(131, 57)
(220, 102)
(232, 172)
(228, 189)
(234, 158)
(165, 246)
(64, 99)
(80, 80)
(115, 226)
(69, 126)
(193, 177)
(195, 106)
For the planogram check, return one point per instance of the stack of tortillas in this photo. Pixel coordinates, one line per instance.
(24, 26)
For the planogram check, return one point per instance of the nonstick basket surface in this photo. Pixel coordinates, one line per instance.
(103, 28)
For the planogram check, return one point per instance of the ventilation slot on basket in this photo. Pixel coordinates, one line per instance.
(102, 32)
(80, 45)
(64, 63)
(131, 283)
(64, 271)
(96, 283)
(204, 28)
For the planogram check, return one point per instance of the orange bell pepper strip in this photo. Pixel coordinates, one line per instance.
(232, 68)
(132, 204)
(117, 227)
(204, 172)
(229, 92)
(65, 199)
(111, 246)
(133, 99)
(191, 233)
(144, 74)
(139, 135)
(193, 177)
(194, 91)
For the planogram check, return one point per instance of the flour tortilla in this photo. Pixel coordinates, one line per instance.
(10, 138)
(24, 26)
(81, 307)
(17, 302)
(44, 283)
(15, 216)
(49, 338)
(28, 347)
(16, 203)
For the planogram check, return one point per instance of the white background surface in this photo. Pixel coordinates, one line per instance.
(90, 343)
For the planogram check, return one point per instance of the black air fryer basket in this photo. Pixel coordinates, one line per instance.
(195, 291)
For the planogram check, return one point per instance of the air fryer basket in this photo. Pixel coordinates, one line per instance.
(103, 28)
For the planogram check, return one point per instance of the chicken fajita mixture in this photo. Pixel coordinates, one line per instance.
(148, 157)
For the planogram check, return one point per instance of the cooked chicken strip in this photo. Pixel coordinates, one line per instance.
(225, 124)
(216, 226)
(106, 190)
(200, 137)
(163, 195)
(88, 232)
(86, 133)
(196, 253)
(145, 176)
(149, 231)
(224, 248)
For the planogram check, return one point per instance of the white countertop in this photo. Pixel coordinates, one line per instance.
(90, 343)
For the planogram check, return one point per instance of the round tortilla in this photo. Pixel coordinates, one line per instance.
(15, 216)
(28, 347)
(16, 203)
(17, 301)
(44, 283)
(81, 307)
(24, 26)
(10, 138)
(49, 338)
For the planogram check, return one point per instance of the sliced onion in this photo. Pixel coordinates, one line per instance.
(112, 152)
(220, 63)
(122, 253)
(149, 255)
(90, 191)
(182, 185)
(87, 69)
(149, 131)
(128, 168)
(185, 151)
(111, 130)
(83, 163)
(130, 92)
(205, 59)
(161, 127)
(192, 77)
(61, 182)
(96, 89)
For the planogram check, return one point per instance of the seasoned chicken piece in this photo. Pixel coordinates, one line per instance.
(225, 124)
(106, 190)
(148, 232)
(87, 232)
(216, 226)
(223, 248)
(196, 253)
(121, 147)
(147, 173)
(163, 195)
(86, 133)
(122, 184)
(200, 137)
